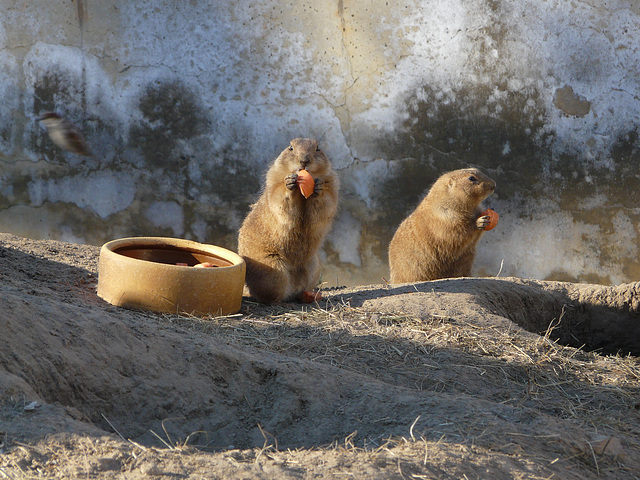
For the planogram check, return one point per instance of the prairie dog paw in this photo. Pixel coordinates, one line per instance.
(291, 181)
(483, 222)
(318, 187)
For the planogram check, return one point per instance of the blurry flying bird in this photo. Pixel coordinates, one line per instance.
(64, 134)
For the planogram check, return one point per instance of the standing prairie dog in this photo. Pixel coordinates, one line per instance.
(438, 240)
(283, 232)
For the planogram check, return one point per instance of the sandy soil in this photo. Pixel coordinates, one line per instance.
(463, 378)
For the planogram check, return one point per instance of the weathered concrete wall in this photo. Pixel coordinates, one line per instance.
(186, 103)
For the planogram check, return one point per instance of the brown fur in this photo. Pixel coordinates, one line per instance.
(283, 232)
(438, 240)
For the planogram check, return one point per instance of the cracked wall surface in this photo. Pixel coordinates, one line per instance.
(186, 103)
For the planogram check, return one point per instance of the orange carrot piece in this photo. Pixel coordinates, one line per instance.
(493, 218)
(305, 183)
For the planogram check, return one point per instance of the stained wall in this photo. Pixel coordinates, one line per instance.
(185, 104)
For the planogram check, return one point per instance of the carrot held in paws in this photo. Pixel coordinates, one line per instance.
(493, 218)
(305, 183)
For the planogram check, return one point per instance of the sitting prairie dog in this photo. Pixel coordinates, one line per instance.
(438, 240)
(283, 231)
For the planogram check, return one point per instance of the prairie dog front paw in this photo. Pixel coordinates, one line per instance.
(291, 181)
(483, 222)
(318, 187)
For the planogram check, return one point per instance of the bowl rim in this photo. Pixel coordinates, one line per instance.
(178, 243)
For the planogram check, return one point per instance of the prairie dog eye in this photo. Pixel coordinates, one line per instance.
(318, 149)
(472, 178)
(290, 147)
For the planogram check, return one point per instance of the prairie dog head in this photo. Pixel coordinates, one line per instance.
(468, 186)
(303, 153)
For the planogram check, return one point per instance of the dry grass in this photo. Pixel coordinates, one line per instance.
(431, 354)
(499, 365)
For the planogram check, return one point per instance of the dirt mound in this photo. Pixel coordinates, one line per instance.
(441, 379)
(592, 317)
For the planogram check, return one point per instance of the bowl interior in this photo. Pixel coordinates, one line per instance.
(171, 255)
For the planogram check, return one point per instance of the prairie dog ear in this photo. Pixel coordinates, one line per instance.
(451, 183)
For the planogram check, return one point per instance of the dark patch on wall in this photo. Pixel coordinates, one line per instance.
(377, 239)
(60, 92)
(21, 181)
(5, 133)
(601, 192)
(468, 127)
(219, 233)
(626, 149)
(234, 181)
(214, 185)
(46, 89)
(63, 93)
(508, 139)
(625, 181)
(571, 181)
(227, 185)
(175, 137)
(83, 223)
(575, 180)
(171, 113)
(19, 189)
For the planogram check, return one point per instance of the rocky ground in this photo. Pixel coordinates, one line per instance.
(463, 378)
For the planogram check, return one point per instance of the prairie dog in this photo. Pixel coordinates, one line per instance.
(438, 240)
(283, 232)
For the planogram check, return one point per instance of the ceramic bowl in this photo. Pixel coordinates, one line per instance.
(159, 274)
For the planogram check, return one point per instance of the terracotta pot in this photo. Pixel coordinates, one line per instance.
(142, 272)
